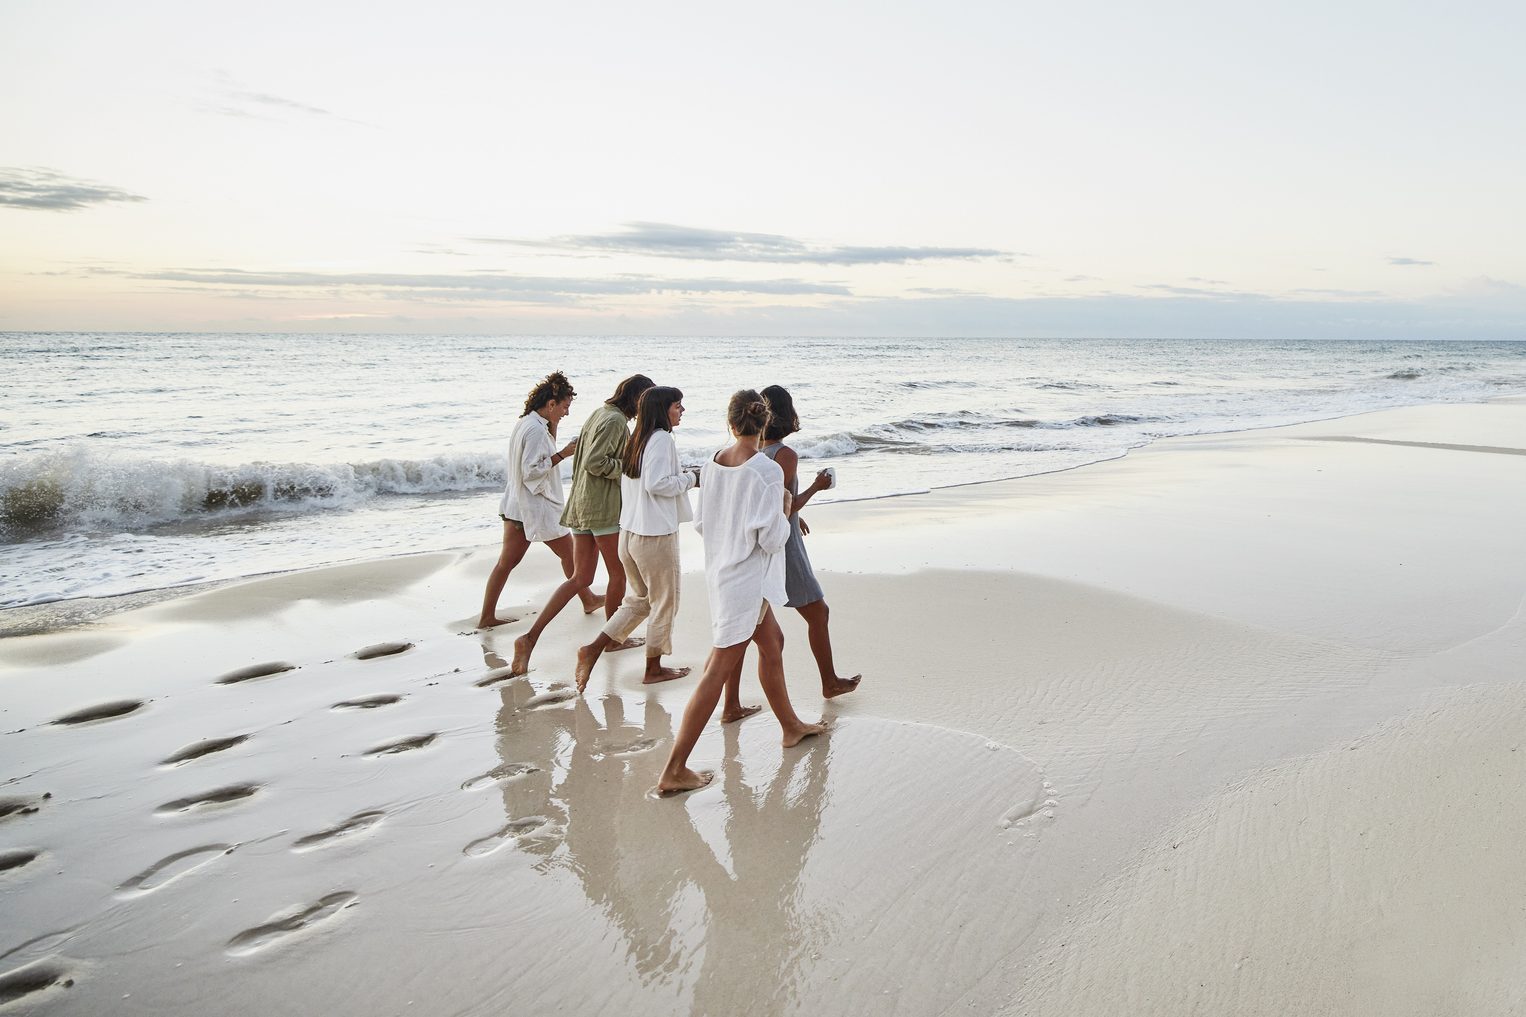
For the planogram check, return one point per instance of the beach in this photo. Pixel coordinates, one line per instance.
(1226, 725)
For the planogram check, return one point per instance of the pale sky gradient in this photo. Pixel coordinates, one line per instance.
(1289, 170)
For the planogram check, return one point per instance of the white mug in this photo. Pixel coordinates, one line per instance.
(831, 472)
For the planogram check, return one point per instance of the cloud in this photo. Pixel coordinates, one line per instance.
(50, 191)
(486, 285)
(253, 105)
(1409, 261)
(1197, 291)
(664, 240)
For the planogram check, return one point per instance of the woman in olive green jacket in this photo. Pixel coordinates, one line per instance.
(593, 515)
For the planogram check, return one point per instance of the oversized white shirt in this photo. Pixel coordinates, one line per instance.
(533, 493)
(654, 503)
(741, 517)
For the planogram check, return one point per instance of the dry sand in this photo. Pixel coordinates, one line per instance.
(1226, 726)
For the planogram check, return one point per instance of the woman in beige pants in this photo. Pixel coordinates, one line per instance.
(653, 501)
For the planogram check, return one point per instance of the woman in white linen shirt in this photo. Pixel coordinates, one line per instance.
(654, 499)
(531, 506)
(744, 520)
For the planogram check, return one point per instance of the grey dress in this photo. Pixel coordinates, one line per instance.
(799, 581)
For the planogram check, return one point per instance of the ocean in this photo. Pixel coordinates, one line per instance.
(133, 462)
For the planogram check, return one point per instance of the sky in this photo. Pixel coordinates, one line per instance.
(1292, 170)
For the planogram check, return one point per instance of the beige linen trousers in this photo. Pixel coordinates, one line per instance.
(651, 591)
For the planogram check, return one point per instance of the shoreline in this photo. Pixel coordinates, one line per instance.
(29, 619)
(1115, 725)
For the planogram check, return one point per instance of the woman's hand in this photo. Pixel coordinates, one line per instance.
(804, 529)
(568, 449)
(822, 481)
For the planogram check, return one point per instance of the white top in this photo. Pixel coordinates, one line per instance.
(654, 503)
(741, 516)
(533, 494)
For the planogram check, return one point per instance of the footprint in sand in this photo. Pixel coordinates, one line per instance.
(10, 807)
(204, 748)
(254, 671)
(498, 775)
(493, 677)
(284, 927)
(1044, 801)
(401, 745)
(550, 697)
(166, 870)
(33, 978)
(380, 650)
(16, 859)
(102, 711)
(358, 823)
(221, 796)
(629, 748)
(369, 703)
(518, 830)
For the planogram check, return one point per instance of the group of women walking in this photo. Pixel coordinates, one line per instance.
(629, 495)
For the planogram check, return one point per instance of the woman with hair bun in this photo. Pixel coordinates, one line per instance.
(805, 594)
(744, 519)
(531, 506)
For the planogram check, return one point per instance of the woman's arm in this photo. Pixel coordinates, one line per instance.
(771, 518)
(789, 462)
(540, 456)
(660, 472)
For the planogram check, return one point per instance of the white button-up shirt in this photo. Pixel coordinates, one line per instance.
(654, 503)
(533, 493)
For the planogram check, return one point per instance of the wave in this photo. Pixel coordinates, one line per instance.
(80, 487)
(1405, 374)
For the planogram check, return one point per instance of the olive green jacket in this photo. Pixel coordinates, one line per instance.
(594, 503)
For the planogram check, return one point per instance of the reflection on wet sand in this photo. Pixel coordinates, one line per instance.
(638, 860)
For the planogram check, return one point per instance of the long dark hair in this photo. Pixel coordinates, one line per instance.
(783, 421)
(553, 388)
(651, 415)
(628, 394)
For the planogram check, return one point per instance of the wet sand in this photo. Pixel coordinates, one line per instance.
(1226, 726)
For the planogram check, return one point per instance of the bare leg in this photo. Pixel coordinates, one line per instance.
(588, 656)
(614, 590)
(676, 775)
(583, 554)
(733, 710)
(513, 552)
(770, 640)
(832, 684)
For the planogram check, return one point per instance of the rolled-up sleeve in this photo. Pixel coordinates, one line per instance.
(769, 521)
(661, 474)
(535, 463)
(603, 456)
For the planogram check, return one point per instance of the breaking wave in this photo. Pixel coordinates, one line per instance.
(79, 487)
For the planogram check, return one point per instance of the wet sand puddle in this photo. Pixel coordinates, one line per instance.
(412, 843)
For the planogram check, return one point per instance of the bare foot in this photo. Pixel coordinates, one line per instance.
(586, 658)
(487, 623)
(683, 780)
(664, 674)
(593, 602)
(740, 713)
(801, 733)
(839, 686)
(629, 644)
(522, 650)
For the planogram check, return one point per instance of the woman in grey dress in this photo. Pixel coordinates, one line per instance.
(800, 582)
